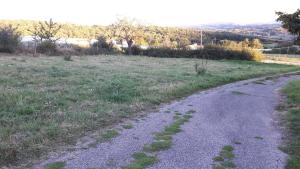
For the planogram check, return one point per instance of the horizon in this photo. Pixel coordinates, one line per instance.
(175, 13)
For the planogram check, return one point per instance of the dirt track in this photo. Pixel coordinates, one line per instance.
(242, 112)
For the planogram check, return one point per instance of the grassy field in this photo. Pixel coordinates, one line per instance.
(282, 59)
(47, 101)
(292, 121)
(284, 55)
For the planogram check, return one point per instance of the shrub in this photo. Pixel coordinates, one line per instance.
(136, 50)
(100, 47)
(210, 51)
(47, 47)
(9, 39)
(252, 54)
(68, 58)
(199, 69)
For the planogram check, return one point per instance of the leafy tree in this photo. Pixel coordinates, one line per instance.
(256, 44)
(245, 43)
(291, 22)
(46, 31)
(9, 39)
(45, 34)
(127, 30)
(154, 36)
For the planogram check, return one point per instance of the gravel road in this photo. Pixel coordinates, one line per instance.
(240, 114)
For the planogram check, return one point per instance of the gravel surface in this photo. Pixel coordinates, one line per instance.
(242, 112)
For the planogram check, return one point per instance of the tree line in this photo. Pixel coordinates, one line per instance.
(150, 35)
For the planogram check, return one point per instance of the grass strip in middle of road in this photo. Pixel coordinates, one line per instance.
(162, 141)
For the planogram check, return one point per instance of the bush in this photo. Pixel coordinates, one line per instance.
(9, 39)
(136, 50)
(47, 47)
(208, 52)
(100, 47)
(252, 54)
(68, 58)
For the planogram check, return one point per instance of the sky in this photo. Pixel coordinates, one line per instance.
(157, 12)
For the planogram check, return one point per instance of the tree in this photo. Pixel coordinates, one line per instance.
(46, 31)
(127, 30)
(291, 22)
(45, 34)
(9, 39)
(256, 44)
(245, 43)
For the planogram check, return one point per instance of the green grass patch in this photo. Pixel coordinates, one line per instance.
(141, 161)
(109, 134)
(173, 128)
(218, 167)
(187, 116)
(292, 92)
(159, 145)
(291, 121)
(56, 165)
(226, 154)
(228, 164)
(162, 136)
(225, 158)
(162, 141)
(127, 126)
(46, 102)
(218, 158)
(227, 148)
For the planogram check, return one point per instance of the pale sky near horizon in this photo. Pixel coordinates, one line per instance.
(158, 12)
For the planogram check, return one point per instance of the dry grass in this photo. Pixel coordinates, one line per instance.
(47, 101)
(282, 59)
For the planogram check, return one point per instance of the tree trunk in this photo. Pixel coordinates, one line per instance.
(130, 43)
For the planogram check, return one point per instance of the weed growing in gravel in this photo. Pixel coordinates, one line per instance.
(218, 167)
(162, 141)
(158, 146)
(224, 160)
(56, 165)
(237, 142)
(228, 164)
(176, 117)
(218, 158)
(228, 148)
(141, 161)
(127, 126)
(177, 113)
(258, 138)
(239, 93)
(190, 112)
(109, 134)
